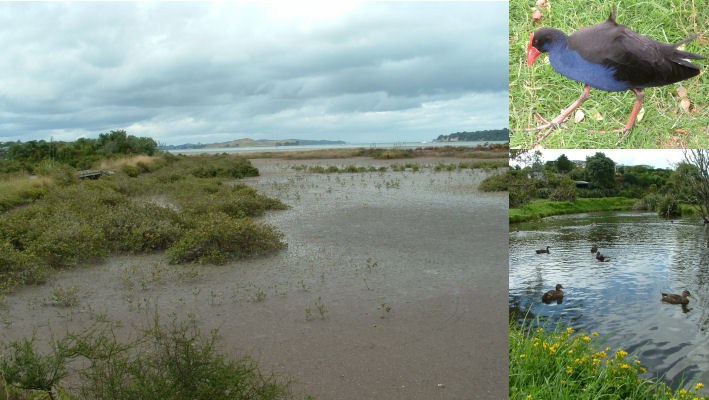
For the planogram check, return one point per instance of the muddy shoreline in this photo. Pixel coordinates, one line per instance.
(393, 286)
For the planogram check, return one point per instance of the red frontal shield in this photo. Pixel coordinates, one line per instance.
(532, 52)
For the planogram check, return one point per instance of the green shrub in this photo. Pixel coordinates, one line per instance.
(165, 361)
(495, 183)
(218, 237)
(668, 207)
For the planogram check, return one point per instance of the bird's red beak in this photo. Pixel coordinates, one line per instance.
(532, 52)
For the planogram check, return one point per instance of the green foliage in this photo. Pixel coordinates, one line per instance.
(541, 208)
(166, 361)
(668, 207)
(564, 364)
(26, 369)
(87, 220)
(496, 183)
(217, 237)
(600, 172)
(563, 164)
(80, 154)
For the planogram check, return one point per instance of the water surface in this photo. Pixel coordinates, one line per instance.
(621, 298)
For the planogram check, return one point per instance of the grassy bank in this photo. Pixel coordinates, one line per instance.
(563, 364)
(543, 208)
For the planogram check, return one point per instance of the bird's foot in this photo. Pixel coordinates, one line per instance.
(625, 131)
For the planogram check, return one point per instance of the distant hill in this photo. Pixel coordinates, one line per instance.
(477, 136)
(246, 142)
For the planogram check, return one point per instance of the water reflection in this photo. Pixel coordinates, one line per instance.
(621, 296)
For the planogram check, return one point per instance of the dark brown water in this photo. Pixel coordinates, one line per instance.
(621, 298)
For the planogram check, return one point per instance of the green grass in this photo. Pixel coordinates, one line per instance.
(563, 364)
(540, 89)
(544, 208)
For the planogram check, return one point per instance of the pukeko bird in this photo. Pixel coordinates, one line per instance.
(608, 56)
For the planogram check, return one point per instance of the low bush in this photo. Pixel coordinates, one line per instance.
(87, 220)
(495, 183)
(166, 361)
(217, 238)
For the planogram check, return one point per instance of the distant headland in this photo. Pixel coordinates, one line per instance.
(502, 135)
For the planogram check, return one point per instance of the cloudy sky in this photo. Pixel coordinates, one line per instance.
(655, 158)
(210, 72)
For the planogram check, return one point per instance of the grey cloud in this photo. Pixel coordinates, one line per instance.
(182, 70)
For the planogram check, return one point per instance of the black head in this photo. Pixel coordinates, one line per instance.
(541, 41)
(558, 286)
(686, 293)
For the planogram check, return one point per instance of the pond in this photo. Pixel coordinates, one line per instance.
(621, 297)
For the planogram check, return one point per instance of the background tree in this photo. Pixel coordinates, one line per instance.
(563, 164)
(600, 172)
(695, 181)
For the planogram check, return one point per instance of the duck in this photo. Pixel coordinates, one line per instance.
(557, 294)
(600, 257)
(543, 251)
(675, 298)
(594, 249)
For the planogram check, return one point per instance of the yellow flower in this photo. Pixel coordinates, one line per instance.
(624, 366)
(594, 333)
(621, 354)
(570, 330)
(571, 351)
(569, 370)
(699, 386)
(602, 354)
(529, 396)
(683, 392)
(643, 370)
(522, 356)
(608, 349)
(586, 338)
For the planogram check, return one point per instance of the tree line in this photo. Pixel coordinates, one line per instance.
(81, 153)
(658, 189)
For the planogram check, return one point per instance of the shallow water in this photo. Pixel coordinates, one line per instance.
(621, 297)
(427, 244)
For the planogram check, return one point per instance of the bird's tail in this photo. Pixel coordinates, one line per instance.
(686, 54)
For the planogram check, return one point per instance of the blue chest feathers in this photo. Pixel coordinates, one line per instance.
(570, 64)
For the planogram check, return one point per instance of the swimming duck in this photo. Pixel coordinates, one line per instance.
(557, 294)
(543, 251)
(600, 257)
(675, 298)
(594, 249)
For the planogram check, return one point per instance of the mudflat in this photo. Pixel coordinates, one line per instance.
(393, 286)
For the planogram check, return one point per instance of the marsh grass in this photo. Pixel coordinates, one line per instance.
(541, 90)
(409, 166)
(19, 189)
(173, 360)
(88, 220)
(560, 364)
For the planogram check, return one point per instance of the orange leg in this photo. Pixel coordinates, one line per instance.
(556, 122)
(639, 96)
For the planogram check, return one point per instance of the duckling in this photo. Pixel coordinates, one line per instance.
(543, 251)
(675, 298)
(557, 294)
(594, 249)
